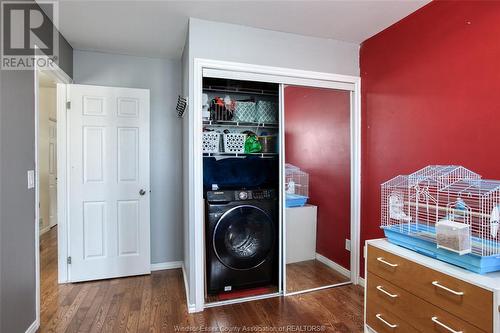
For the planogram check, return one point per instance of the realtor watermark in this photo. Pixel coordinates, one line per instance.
(29, 36)
(250, 329)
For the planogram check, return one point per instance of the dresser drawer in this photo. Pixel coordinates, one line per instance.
(420, 314)
(464, 300)
(383, 321)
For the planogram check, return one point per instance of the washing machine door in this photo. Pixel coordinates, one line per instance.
(244, 237)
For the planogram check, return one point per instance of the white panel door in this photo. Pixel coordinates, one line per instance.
(109, 182)
(52, 173)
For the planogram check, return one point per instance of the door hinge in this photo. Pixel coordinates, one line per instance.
(68, 105)
(69, 260)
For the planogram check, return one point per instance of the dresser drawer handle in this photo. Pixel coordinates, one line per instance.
(435, 319)
(379, 288)
(379, 317)
(386, 262)
(458, 293)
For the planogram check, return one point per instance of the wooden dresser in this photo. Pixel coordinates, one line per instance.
(409, 292)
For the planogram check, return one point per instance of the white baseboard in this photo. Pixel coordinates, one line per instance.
(44, 230)
(333, 265)
(166, 265)
(190, 307)
(361, 281)
(368, 329)
(33, 327)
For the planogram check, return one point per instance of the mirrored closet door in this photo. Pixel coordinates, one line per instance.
(317, 216)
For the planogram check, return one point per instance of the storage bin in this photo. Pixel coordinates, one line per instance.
(245, 112)
(211, 142)
(234, 143)
(453, 236)
(267, 112)
(269, 143)
(219, 111)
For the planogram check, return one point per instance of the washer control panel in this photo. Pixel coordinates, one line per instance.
(254, 195)
(243, 195)
(263, 194)
(240, 195)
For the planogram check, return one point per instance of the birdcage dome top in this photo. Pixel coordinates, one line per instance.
(453, 178)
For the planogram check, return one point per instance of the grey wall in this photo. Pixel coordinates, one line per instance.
(65, 60)
(1, 186)
(222, 41)
(17, 211)
(163, 78)
(17, 204)
(229, 42)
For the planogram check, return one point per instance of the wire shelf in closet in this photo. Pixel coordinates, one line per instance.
(262, 155)
(226, 123)
(240, 91)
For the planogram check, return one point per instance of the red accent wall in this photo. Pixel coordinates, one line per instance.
(430, 95)
(317, 134)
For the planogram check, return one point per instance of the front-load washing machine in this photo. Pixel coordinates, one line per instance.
(241, 239)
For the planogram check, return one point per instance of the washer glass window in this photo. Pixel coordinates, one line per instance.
(244, 237)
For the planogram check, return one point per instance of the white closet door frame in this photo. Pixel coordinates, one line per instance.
(278, 77)
(233, 70)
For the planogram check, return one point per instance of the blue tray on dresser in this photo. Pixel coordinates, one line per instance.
(402, 235)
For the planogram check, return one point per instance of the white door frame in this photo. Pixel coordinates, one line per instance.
(279, 75)
(61, 78)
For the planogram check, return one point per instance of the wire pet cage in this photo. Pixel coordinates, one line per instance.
(447, 212)
(296, 186)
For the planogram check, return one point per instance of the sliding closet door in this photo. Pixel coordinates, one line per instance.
(317, 125)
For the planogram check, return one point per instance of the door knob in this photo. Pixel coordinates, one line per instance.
(142, 192)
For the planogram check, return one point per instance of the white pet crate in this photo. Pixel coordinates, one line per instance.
(448, 206)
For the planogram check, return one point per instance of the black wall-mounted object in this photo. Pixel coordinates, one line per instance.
(181, 106)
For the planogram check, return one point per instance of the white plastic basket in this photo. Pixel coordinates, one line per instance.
(211, 142)
(234, 143)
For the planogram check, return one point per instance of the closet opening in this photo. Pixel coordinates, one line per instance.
(241, 187)
(317, 188)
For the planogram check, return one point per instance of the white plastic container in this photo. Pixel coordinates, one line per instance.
(453, 236)
(211, 142)
(234, 143)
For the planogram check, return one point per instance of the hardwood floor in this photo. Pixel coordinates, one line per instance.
(311, 274)
(157, 303)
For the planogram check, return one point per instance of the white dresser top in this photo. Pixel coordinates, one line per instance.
(489, 281)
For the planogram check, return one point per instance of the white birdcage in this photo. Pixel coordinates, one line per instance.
(448, 205)
(296, 181)
(296, 186)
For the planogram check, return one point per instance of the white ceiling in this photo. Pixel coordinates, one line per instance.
(158, 28)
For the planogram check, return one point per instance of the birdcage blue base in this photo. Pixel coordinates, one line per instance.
(295, 200)
(472, 262)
